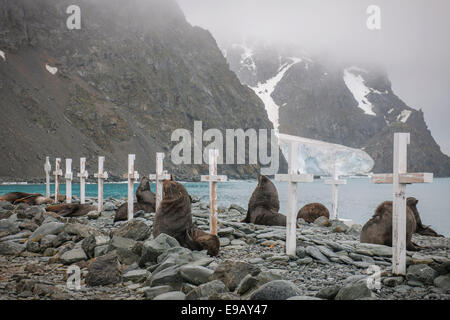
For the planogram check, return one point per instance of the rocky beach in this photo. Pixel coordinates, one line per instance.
(39, 251)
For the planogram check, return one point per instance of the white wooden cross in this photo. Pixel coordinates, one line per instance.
(400, 178)
(335, 182)
(69, 178)
(159, 177)
(213, 180)
(47, 169)
(58, 173)
(293, 178)
(132, 177)
(101, 175)
(83, 175)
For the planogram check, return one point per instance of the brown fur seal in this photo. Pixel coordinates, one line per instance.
(14, 196)
(312, 211)
(264, 205)
(420, 228)
(34, 200)
(378, 229)
(146, 201)
(72, 209)
(174, 218)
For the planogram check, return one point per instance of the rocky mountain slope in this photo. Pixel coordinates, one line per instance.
(135, 72)
(350, 105)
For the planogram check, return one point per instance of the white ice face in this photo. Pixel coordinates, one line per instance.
(322, 158)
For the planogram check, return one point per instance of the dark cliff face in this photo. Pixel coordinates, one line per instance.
(347, 105)
(135, 72)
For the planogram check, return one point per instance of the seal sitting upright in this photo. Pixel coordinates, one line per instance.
(264, 205)
(174, 218)
(145, 201)
(420, 228)
(378, 230)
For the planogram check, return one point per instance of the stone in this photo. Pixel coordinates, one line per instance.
(305, 261)
(249, 282)
(207, 290)
(128, 250)
(443, 282)
(104, 270)
(327, 252)
(169, 276)
(46, 229)
(223, 232)
(422, 273)
(237, 208)
(109, 206)
(8, 226)
(303, 298)
(393, 281)
(418, 258)
(237, 242)
(11, 248)
(275, 290)
(100, 250)
(195, 274)
(328, 293)
(354, 290)
(72, 256)
(338, 226)
(322, 221)
(81, 230)
(315, 253)
(137, 276)
(224, 242)
(93, 215)
(153, 248)
(371, 249)
(355, 230)
(232, 272)
(134, 229)
(173, 295)
(150, 293)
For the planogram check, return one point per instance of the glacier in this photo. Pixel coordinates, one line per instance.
(326, 159)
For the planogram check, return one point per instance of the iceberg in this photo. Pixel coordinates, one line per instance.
(327, 159)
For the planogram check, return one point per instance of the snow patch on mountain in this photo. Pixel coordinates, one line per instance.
(3, 55)
(246, 57)
(265, 90)
(356, 84)
(404, 116)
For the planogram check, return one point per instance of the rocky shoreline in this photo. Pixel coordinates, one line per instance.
(122, 260)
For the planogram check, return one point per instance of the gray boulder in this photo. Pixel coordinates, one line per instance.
(232, 272)
(354, 290)
(153, 248)
(46, 229)
(196, 274)
(173, 295)
(11, 248)
(276, 290)
(422, 273)
(134, 229)
(206, 290)
(73, 256)
(104, 270)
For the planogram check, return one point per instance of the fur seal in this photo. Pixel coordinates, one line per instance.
(378, 229)
(35, 200)
(71, 209)
(264, 205)
(14, 196)
(146, 201)
(420, 228)
(312, 211)
(174, 218)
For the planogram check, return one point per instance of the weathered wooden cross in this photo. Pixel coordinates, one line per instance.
(69, 178)
(48, 170)
(102, 175)
(213, 180)
(132, 177)
(158, 177)
(293, 178)
(58, 173)
(335, 182)
(400, 178)
(83, 175)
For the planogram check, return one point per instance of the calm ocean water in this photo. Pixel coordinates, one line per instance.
(358, 199)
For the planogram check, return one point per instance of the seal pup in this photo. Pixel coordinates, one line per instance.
(420, 228)
(71, 209)
(312, 211)
(146, 201)
(264, 205)
(378, 230)
(174, 218)
(14, 196)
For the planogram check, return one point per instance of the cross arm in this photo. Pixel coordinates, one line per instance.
(209, 178)
(336, 181)
(404, 178)
(294, 177)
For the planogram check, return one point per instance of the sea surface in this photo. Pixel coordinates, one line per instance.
(358, 199)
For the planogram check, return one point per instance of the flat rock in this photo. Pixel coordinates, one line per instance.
(422, 273)
(315, 253)
(172, 295)
(46, 229)
(353, 291)
(73, 256)
(10, 248)
(207, 290)
(195, 274)
(104, 270)
(231, 272)
(134, 229)
(137, 276)
(275, 290)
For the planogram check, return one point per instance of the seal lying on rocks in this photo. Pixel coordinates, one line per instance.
(14, 196)
(71, 209)
(174, 218)
(378, 230)
(146, 201)
(420, 228)
(264, 205)
(35, 200)
(312, 211)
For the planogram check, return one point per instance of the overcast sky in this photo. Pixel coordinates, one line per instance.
(413, 43)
